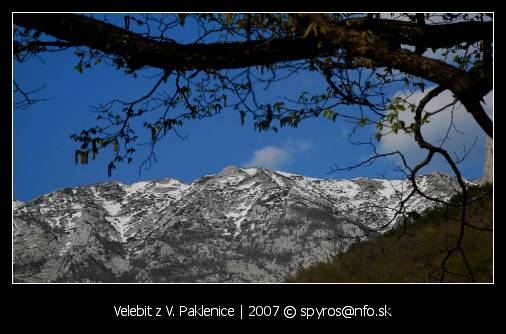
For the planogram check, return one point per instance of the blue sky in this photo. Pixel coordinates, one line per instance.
(44, 154)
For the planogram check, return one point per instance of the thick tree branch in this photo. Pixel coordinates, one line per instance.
(470, 87)
(139, 51)
(425, 35)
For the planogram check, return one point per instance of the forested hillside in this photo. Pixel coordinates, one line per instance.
(415, 251)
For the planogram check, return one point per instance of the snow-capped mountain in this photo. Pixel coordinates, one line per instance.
(241, 225)
(16, 204)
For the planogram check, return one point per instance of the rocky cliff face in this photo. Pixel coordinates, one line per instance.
(241, 225)
(488, 163)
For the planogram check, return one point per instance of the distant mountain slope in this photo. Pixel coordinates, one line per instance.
(241, 225)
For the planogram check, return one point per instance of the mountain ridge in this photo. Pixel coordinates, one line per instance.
(239, 225)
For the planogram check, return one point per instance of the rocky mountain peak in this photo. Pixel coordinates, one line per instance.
(241, 225)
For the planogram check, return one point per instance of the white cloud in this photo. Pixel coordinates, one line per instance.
(275, 157)
(437, 127)
(298, 145)
(269, 157)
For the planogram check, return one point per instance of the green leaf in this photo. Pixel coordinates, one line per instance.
(414, 126)
(362, 122)
(311, 27)
(79, 67)
(396, 127)
(329, 114)
(229, 18)
(116, 145)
